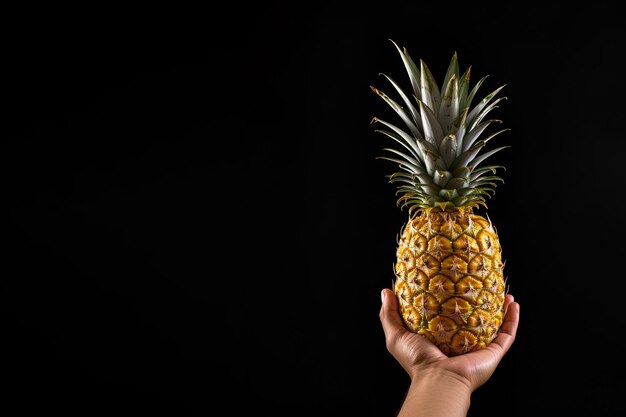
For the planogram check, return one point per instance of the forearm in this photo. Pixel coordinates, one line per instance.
(436, 395)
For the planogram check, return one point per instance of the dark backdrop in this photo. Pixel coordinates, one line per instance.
(196, 218)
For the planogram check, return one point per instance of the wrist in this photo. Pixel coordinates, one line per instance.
(438, 392)
(434, 376)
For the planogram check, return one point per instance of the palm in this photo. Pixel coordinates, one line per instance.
(416, 353)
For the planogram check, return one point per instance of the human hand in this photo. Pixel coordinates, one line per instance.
(420, 357)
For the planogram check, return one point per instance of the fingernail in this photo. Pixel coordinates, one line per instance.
(382, 296)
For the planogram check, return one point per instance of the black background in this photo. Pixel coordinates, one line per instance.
(196, 218)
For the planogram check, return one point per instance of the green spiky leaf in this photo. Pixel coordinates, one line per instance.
(443, 140)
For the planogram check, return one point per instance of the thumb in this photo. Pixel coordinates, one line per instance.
(390, 315)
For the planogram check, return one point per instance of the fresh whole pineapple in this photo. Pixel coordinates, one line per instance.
(449, 270)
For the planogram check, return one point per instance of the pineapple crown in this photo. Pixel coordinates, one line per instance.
(442, 149)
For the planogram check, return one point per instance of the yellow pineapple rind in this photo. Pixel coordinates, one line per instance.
(449, 279)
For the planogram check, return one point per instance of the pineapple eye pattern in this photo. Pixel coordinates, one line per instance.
(452, 282)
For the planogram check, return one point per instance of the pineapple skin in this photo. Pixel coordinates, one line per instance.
(449, 279)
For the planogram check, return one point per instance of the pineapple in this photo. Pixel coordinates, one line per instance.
(448, 269)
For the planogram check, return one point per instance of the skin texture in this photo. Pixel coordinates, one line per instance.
(449, 280)
(442, 385)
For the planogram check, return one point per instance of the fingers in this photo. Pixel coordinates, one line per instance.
(511, 319)
(508, 330)
(508, 299)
